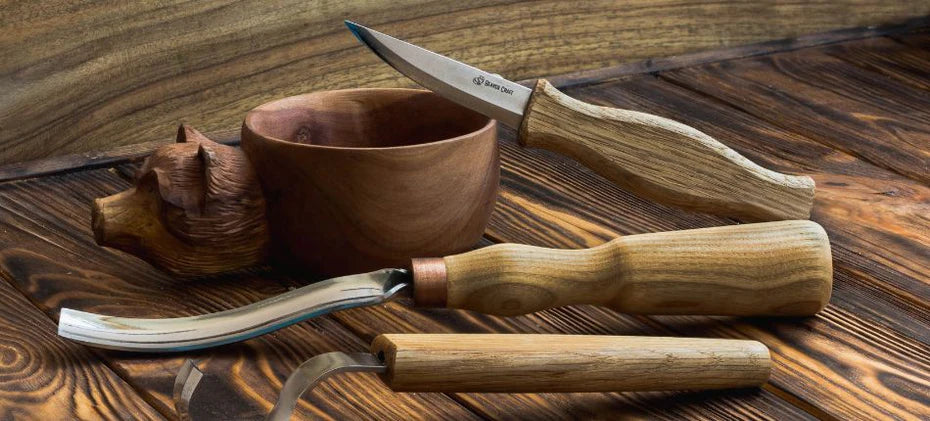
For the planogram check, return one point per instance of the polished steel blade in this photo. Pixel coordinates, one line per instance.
(316, 370)
(474, 88)
(184, 385)
(203, 331)
(306, 376)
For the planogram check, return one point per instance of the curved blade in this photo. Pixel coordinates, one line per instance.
(184, 385)
(203, 331)
(316, 370)
(307, 375)
(486, 93)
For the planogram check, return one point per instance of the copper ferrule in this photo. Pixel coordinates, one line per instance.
(429, 282)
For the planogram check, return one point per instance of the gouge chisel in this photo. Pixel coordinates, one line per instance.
(521, 363)
(651, 156)
(773, 268)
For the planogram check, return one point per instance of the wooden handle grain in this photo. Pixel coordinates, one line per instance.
(567, 363)
(779, 268)
(662, 160)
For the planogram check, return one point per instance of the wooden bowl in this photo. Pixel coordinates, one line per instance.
(362, 179)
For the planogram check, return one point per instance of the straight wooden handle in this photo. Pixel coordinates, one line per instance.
(779, 268)
(567, 363)
(662, 160)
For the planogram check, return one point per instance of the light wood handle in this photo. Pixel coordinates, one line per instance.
(662, 160)
(567, 363)
(779, 268)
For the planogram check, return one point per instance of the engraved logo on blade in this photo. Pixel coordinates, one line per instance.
(481, 81)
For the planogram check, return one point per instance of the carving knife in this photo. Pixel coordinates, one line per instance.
(651, 156)
(522, 363)
(779, 268)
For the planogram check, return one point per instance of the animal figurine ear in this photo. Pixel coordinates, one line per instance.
(196, 209)
(188, 134)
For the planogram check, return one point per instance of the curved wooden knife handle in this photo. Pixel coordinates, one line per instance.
(779, 268)
(661, 159)
(567, 363)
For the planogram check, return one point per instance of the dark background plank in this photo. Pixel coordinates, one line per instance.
(855, 201)
(827, 100)
(889, 57)
(80, 77)
(865, 356)
(850, 203)
(49, 254)
(919, 40)
(51, 215)
(844, 390)
(43, 376)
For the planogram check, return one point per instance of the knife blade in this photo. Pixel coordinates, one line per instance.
(651, 156)
(487, 93)
(777, 268)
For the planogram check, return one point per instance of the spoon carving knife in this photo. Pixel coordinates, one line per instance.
(521, 363)
(781, 268)
(651, 156)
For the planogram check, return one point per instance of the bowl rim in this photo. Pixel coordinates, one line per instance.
(250, 115)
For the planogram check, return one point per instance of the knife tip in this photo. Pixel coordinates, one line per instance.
(355, 28)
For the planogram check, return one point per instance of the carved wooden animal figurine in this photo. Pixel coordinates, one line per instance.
(196, 209)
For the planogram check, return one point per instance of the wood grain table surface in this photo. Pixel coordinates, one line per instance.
(850, 108)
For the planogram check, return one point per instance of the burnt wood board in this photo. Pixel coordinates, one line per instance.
(850, 113)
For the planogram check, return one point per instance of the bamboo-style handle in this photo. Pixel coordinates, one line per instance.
(567, 363)
(779, 268)
(661, 159)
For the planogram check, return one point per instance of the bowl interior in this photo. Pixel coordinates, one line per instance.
(364, 118)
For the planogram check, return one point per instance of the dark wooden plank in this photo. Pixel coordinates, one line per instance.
(875, 218)
(541, 206)
(916, 39)
(848, 108)
(47, 250)
(740, 404)
(368, 323)
(555, 226)
(838, 369)
(108, 74)
(664, 63)
(590, 214)
(45, 376)
(890, 58)
(55, 261)
(872, 330)
(870, 213)
(847, 185)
